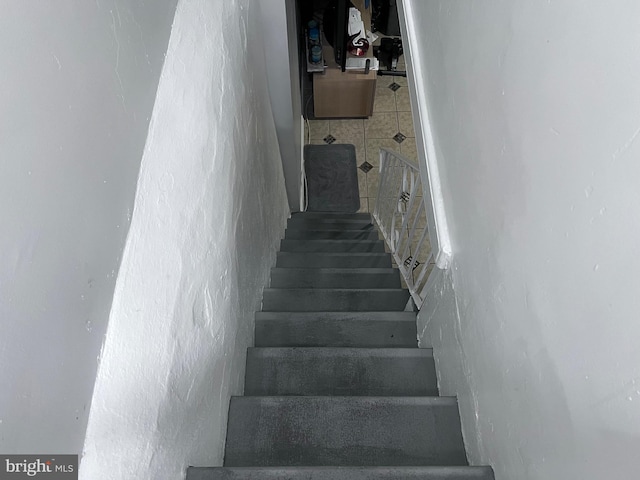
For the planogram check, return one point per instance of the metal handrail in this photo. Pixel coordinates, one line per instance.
(401, 215)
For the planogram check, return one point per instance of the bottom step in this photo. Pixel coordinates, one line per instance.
(339, 473)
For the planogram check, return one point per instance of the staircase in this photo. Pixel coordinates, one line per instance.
(336, 387)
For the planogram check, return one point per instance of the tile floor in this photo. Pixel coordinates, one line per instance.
(391, 126)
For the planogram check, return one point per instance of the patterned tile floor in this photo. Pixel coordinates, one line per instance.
(391, 126)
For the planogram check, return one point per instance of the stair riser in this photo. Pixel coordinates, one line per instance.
(340, 371)
(316, 225)
(327, 215)
(349, 329)
(341, 473)
(320, 260)
(332, 246)
(338, 222)
(331, 234)
(318, 278)
(317, 300)
(343, 431)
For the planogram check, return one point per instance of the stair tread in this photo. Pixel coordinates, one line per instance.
(331, 430)
(330, 225)
(330, 219)
(365, 400)
(337, 329)
(334, 299)
(333, 241)
(372, 277)
(338, 254)
(339, 260)
(341, 271)
(388, 352)
(347, 231)
(329, 473)
(331, 246)
(340, 230)
(331, 214)
(346, 290)
(340, 371)
(373, 316)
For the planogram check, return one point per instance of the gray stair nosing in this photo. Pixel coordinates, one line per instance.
(340, 230)
(334, 241)
(390, 320)
(337, 230)
(331, 219)
(332, 226)
(310, 245)
(318, 291)
(338, 254)
(381, 316)
(330, 236)
(330, 270)
(430, 468)
(369, 352)
(330, 214)
(474, 470)
(418, 400)
(349, 218)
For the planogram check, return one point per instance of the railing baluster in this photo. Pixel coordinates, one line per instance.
(397, 212)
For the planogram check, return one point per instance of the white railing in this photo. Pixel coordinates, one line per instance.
(401, 216)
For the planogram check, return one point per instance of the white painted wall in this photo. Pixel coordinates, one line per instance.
(210, 209)
(281, 49)
(77, 84)
(536, 113)
(412, 36)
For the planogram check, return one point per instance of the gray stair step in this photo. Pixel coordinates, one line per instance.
(336, 220)
(322, 215)
(335, 278)
(343, 431)
(333, 299)
(296, 223)
(336, 329)
(296, 234)
(340, 371)
(331, 246)
(333, 260)
(340, 473)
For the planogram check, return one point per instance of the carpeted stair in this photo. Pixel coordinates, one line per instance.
(336, 387)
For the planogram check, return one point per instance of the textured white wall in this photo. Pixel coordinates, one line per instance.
(536, 113)
(210, 209)
(78, 83)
